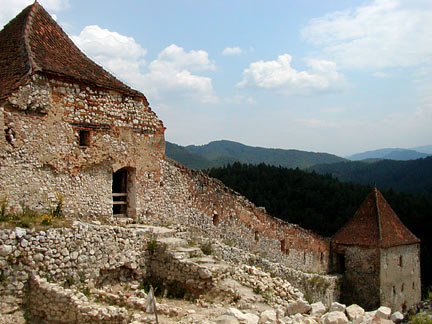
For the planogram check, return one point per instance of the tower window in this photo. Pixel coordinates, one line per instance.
(215, 219)
(256, 235)
(400, 261)
(84, 137)
(9, 135)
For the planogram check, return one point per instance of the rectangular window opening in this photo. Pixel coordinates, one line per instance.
(84, 137)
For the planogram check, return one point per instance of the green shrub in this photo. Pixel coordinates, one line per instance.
(85, 290)
(3, 206)
(69, 281)
(152, 245)
(46, 219)
(2, 279)
(58, 210)
(421, 318)
(206, 247)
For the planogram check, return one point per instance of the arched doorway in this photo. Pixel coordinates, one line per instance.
(123, 193)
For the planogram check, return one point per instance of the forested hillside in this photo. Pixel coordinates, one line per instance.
(409, 176)
(322, 203)
(220, 153)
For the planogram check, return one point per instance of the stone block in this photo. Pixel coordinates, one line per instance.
(335, 306)
(396, 317)
(268, 315)
(226, 319)
(251, 318)
(354, 311)
(236, 313)
(335, 317)
(298, 306)
(318, 309)
(383, 312)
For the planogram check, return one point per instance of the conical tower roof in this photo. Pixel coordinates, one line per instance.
(33, 42)
(375, 224)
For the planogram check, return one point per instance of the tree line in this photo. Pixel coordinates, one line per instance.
(324, 204)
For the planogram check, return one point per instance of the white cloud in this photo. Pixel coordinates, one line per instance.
(383, 33)
(177, 58)
(10, 8)
(280, 75)
(168, 77)
(232, 51)
(109, 47)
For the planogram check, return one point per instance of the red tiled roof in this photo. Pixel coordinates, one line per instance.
(375, 224)
(33, 42)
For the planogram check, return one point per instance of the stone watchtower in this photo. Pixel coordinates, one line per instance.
(378, 256)
(69, 128)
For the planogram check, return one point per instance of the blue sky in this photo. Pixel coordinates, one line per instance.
(331, 76)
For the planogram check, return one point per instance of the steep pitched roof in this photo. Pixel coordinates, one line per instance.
(375, 224)
(33, 42)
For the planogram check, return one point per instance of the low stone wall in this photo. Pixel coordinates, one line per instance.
(180, 274)
(79, 253)
(48, 303)
(99, 253)
(315, 287)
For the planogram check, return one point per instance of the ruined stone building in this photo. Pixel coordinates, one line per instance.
(379, 256)
(72, 130)
(69, 126)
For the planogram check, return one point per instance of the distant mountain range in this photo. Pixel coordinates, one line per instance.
(220, 153)
(394, 154)
(406, 176)
(407, 170)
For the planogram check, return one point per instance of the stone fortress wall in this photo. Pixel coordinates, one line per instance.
(42, 153)
(190, 197)
(400, 276)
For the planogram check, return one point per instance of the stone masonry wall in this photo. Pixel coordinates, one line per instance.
(50, 303)
(315, 287)
(98, 253)
(192, 198)
(41, 155)
(400, 276)
(82, 252)
(361, 277)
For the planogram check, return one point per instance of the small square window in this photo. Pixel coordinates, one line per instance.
(84, 137)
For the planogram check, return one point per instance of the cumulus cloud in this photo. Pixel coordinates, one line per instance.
(232, 51)
(10, 8)
(280, 75)
(118, 53)
(168, 76)
(177, 58)
(381, 34)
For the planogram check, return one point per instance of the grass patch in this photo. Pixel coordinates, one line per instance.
(29, 218)
(69, 281)
(152, 245)
(206, 247)
(421, 318)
